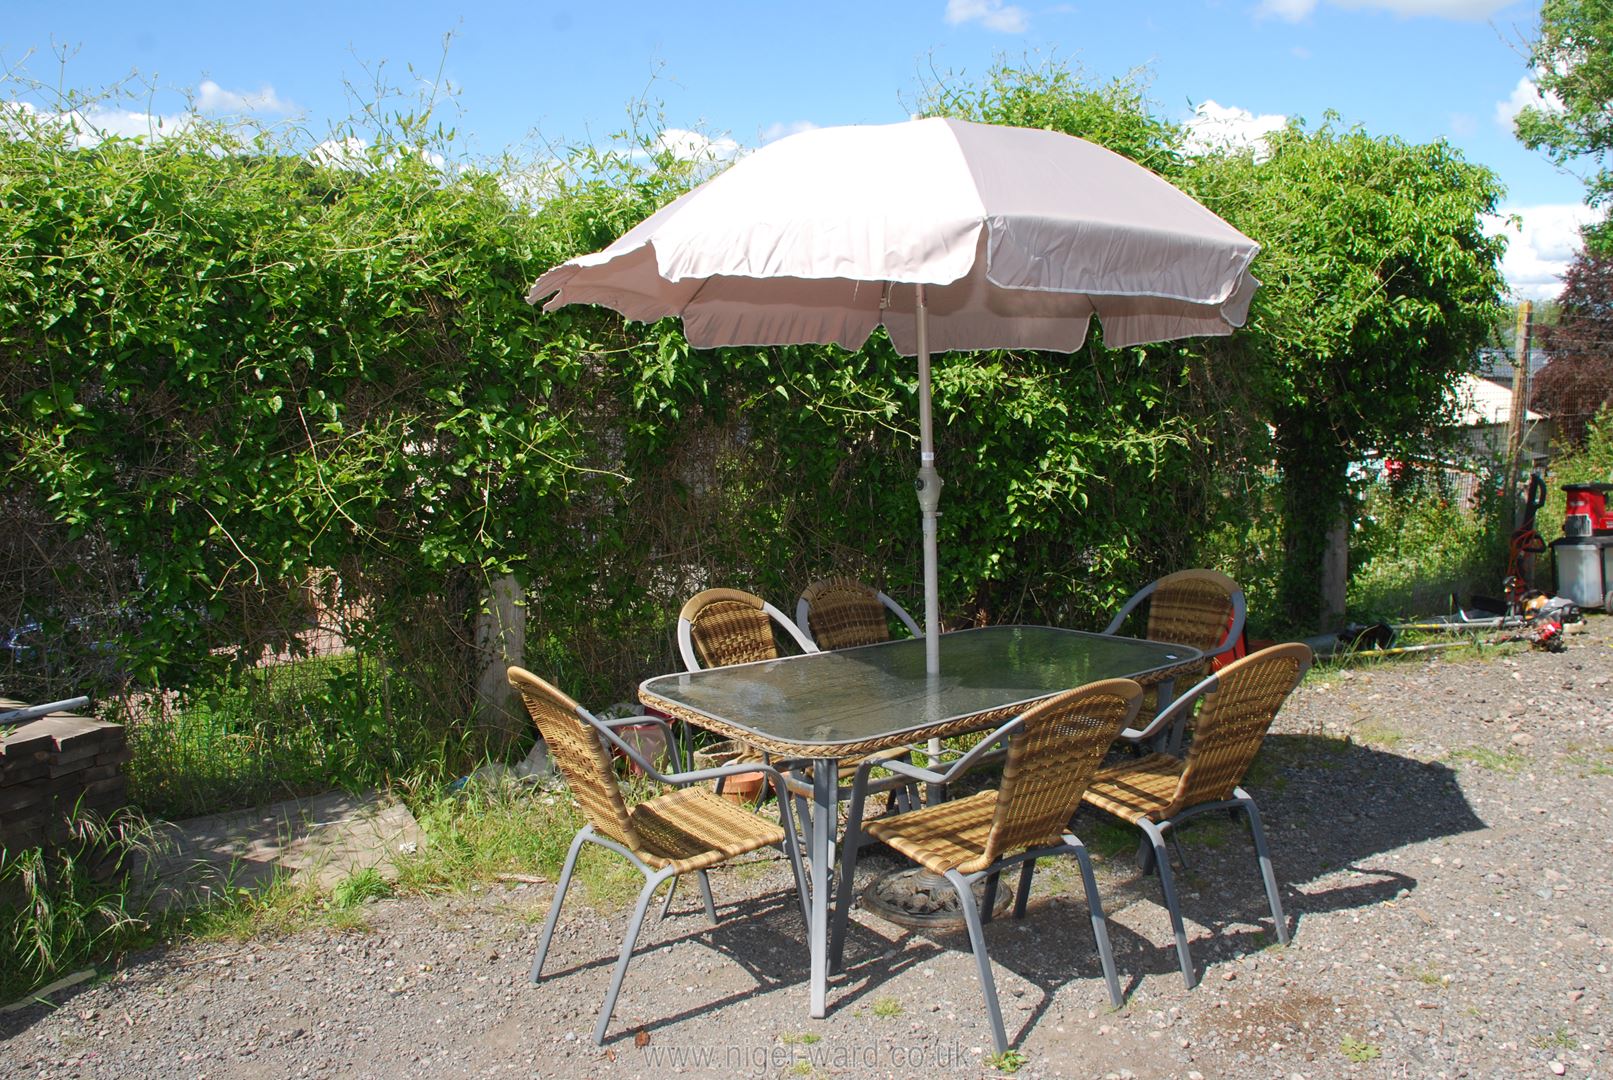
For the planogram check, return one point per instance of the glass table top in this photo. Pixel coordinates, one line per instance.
(856, 694)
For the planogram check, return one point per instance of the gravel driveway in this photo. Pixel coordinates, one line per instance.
(1439, 828)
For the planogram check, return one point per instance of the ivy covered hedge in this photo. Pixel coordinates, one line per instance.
(233, 371)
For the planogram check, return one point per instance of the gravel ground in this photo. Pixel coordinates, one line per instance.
(1438, 827)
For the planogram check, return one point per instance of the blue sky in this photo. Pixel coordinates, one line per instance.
(747, 72)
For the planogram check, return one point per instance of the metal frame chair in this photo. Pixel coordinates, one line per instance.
(719, 627)
(1158, 793)
(1189, 607)
(1054, 748)
(687, 830)
(842, 613)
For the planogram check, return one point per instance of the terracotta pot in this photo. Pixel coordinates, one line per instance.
(739, 787)
(648, 739)
(743, 787)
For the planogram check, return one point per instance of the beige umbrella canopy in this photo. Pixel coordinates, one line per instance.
(952, 235)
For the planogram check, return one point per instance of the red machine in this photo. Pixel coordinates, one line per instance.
(1587, 513)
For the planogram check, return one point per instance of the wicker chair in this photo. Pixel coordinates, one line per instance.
(1203, 609)
(686, 830)
(841, 613)
(720, 627)
(1159, 792)
(1054, 748)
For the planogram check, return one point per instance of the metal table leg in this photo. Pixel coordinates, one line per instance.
(825, 782)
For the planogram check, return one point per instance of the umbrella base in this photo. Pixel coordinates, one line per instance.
(922, 900)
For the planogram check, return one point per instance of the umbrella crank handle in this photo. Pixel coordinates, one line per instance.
(928, 486)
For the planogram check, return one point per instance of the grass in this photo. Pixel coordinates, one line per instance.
(1486, 758)
(1358, 1050)
(887, 1007)
(1559, 1039)
(67, 908)
(1378, 733)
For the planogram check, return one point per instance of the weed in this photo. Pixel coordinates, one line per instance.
(1485, 758)
(366, 884)
(1358, 1050)
(802, 1068)
(1559, 1039)
(65, 907)
(1428, 976)
(1009, 1061)
(887, 1007)
(1378, 733)
(800, 1038)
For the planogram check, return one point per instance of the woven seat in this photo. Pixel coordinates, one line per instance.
(687, 830)
(842, 613)
(1202, 609)
(692, 829)
(1159, 792)
(1137, 789)
(1054, 747)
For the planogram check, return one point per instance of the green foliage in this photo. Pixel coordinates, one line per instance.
(358, 887)
(1415, 545)
(1591, 463)
(68, 906)
(1572, 64)
(1380, 284)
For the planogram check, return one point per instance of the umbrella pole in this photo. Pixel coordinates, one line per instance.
(929, 493)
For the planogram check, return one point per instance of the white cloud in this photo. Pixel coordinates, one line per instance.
(1539, 253)
(1525, 94)
(349, 152)
(688, 145)
(213, 98)
(88, 127)
(1226, 127)
(992, 14)
(774, 132)
(1287, 10)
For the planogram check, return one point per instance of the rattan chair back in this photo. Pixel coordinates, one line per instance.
(582, 757)
(1051, 759)
(730, 626)
(1191, 607)
(843, 613)
(1232, 721)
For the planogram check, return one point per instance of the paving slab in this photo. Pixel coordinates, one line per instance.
(329, 837)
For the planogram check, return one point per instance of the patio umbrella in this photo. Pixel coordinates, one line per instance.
(952, 235)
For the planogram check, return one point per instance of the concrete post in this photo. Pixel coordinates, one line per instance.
(1335, 574)
(500, 642)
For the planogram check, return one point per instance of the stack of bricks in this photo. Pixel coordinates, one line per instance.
(54, 770)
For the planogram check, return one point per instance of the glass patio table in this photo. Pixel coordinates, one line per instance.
(828, 706)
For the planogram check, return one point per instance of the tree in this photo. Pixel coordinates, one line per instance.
(1578, 382)
(1380, 285)
(1573, 65)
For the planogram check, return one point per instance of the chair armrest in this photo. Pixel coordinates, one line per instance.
(1131, 605)
(931, 776)
(1169, 714)
(660, 722)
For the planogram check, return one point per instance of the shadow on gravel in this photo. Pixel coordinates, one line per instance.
(1328, 804)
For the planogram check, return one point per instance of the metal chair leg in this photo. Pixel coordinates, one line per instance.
(1162, 860)
(849, 845)
(1022, 897)
(1264, 856)
(627, 954)
(559, 898)
(671, 891)
(705, 894)
(792, 850)
(988, 902)
(1100, 926)
(977, 941)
